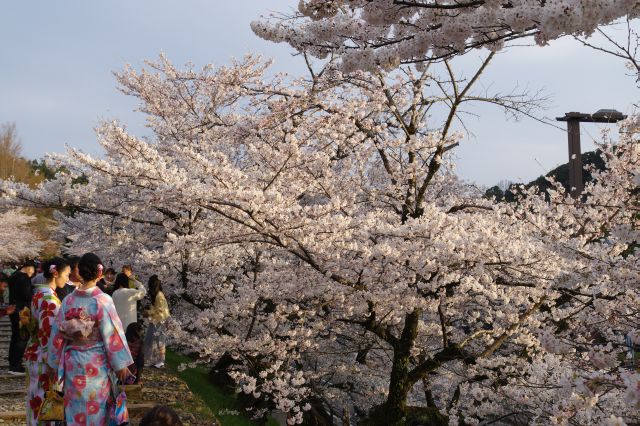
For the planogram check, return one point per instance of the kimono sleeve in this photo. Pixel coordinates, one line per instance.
(115, 342)
(49, 309)
(55, 347)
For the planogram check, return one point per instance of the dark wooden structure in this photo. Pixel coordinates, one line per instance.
(573, 120)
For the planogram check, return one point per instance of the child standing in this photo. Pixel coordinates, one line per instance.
(135, 340)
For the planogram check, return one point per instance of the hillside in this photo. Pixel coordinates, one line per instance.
(560, 173)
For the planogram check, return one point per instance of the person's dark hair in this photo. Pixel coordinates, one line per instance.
(57, 264)
(134, 332)
(73, 261)
(89, 267)
(155, 287)
(161, 415)
(4, 278)
(110, 271)
(127, 267)
(121, 281)
(28, 263)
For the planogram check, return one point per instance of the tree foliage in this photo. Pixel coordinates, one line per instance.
(17, 239)
(366, 34)
(318, 238)
(33, 225)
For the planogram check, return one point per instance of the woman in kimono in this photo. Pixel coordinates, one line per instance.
(154, 340)
(44, 308)
(87, 345)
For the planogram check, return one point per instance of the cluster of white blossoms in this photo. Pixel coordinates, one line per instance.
(327, 258)
(17, 239)
(367, 34)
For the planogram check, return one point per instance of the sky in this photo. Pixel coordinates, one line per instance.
(57, 59)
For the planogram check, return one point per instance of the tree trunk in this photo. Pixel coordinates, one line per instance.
(184, 273)
(393, 411)
(346, 417)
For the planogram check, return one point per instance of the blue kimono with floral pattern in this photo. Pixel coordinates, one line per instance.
(44, 308)
(85, 364)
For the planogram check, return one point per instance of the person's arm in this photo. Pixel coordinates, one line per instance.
(11, 287)
(46, 321)
(55, 347)
(132, 294)
(140, 289)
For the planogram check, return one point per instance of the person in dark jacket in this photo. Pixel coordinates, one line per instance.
(20, 297)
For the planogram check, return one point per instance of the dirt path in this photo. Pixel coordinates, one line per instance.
(159, 387)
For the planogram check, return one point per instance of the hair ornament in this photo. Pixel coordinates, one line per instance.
(52, 269)
(100, 267)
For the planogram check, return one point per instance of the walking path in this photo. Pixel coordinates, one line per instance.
(12, 388)
(160, 386)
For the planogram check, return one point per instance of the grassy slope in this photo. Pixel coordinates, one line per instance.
(215, 398)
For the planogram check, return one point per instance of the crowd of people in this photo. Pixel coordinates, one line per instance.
(79, 327)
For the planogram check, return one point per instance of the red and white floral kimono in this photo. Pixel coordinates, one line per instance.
(86, 363)
(44, 308)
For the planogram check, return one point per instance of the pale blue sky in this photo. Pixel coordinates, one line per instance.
(56, 59)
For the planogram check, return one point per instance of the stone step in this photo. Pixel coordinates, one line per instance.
(7, 376)
(133, 410)
(12, 386)
(12, 392)
(12, 415)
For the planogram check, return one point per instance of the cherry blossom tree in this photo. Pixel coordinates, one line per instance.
(581, 332)
(17, 241)
(615, 46)
(366, 34)
(325, 249)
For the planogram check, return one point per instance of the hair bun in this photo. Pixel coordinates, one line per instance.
(89, 267)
